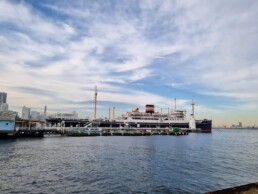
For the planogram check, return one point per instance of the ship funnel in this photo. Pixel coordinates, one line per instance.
(192, 124)
(149, 108)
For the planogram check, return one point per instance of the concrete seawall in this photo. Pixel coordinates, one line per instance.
(251, 188)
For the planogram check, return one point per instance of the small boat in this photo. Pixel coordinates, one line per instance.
(175, 129)
(85, 131)
(93, 129)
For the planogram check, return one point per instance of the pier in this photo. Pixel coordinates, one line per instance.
(22, 128)
(40, 132)
(68, 131)
(37, 129)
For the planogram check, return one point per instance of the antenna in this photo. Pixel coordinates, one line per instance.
(95, 102)
(193, 107)
(175, 103)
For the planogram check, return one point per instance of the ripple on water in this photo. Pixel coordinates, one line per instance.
(196, 163)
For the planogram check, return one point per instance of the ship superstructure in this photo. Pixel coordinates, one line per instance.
(152, 119)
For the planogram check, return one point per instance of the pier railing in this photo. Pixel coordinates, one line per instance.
(102, 129)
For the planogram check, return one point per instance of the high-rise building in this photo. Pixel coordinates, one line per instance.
(25, 112)
(45, 111)
(3, 97)
(35, 115)
(4, 107)
(3, 104)
(43, 115)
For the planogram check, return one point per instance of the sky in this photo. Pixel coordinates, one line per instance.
(54, 52)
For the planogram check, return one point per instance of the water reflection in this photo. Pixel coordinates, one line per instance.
(160, 164)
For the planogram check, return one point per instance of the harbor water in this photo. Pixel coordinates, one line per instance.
(196, 163)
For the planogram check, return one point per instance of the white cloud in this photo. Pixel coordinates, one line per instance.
(201, 44)
(25, 18)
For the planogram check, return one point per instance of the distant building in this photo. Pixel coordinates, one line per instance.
(25, 112)
(42, 117)
(45, 111)
(3, 97)
(35, 115)
(239, 125)
(72, 115)
(4, 107)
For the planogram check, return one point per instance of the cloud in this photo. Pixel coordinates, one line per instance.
(199, 48)
(25, 18)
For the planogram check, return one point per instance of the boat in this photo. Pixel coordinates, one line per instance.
(85, 131)
(149, 119)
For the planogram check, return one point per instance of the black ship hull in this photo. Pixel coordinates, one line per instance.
(205, 125)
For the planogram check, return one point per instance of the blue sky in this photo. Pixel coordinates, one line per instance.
(136, 52)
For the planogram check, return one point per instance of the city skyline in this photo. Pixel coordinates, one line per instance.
(148, 52)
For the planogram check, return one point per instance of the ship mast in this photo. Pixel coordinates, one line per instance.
(95, 103)
(192, 107)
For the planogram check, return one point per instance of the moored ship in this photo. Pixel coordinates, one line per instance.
(152, 119)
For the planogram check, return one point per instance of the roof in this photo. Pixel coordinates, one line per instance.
(8, 115)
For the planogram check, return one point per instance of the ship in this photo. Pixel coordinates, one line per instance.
(149, 119)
